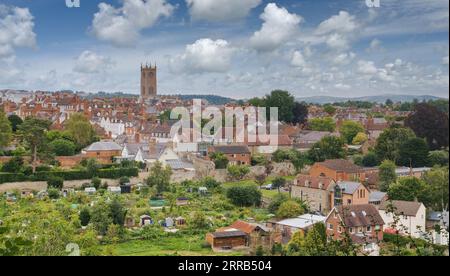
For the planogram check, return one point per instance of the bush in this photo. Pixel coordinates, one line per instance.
(210, 183)
(124, 180)
(62, 147)
(15, 165)
(55, 182)
(96, 182)
(244, 195)
(53, 193)
(438, 157)
(85, 216)
(370, 160)
(12, 177)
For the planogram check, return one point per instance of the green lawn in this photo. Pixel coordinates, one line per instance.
(177, 245)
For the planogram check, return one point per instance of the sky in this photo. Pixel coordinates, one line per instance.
(231, 48)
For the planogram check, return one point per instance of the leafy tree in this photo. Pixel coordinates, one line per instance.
(438, 157)
(438, 182)
(349, 130)
(413, 152)
(328, 108)
(279, 183)
(387, 175)
(430, 123)
(257, 102)
(124, 180)
(244, 196)
(159, 177)
(329, 147)
(389, 142)
(210, 183)
(276, 202)
(100, 218)
(300, 113)
(198, 221)
(285, 103)
(79, 127)
(238, 172)
(409, 189)
(289, 209)
(260, 179)
(62, 147)
(53, 193)
(55, 182)
(219, 159)
(389, 102)
(85, 216)
(15, 121)
(118, 212)
(259, 160)
(370, 160)
(5, 130)
(14, 165)
(92, 166)
(96, 182)
(298, 159)
(360, 139)
(316, 242)
(322, 124)
(32, 133)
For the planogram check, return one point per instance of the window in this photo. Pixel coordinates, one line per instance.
(369, 229)
(349, 201)
(330, 226)
(340, 229)
(360, 230)
(350, 229)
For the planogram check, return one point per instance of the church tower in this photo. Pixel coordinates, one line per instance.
(148, 82)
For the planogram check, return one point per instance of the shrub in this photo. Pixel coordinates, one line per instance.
(12, 177)
(53, 193)
(244, 195)
(55, 182)
(210, 183)
(14, 165)
(124, 180)
(96, 182)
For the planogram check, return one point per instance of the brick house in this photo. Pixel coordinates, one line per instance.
(236, 154)
(338, 170)
(350, 193)
(362, 223)
(316, 191)
(103, 151)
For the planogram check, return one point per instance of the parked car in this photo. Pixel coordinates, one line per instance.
(268, 187)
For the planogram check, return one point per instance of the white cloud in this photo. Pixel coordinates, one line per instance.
(445, 60)
(16, 30)
(121, 26)
(344, 58)
(367, 67)
(205, 55)
(298, 60)
(341, 23)
(221, 10)
(279, 26)
(90, 62)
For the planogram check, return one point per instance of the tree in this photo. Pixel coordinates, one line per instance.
(260, 179)
(329, 147)
(32, 133)
(55, 182)
(285, 103)
(370, 160)
(322, 124)
(276, 202)
(5, 130)
(300, 113)
(14, 165)
(96, 182)
(124, 180)
(438, 182)
(159, 177)
(210, 183)
(410, 189)
(79, 127)
(118, 212)
(238, 172)
(349, 130)
(389, 102)
(92, 166)
(62, 147)
(244, 196)
(413, 152)
(279, 183)
(85, 216)
(100, 218)
(430, 123)
(389, 142)
(387, 175)
(328, 108)
(15, 121)
(289, 209)
(257, 102)
(219, 159)
(360, 138)
(198, 221)
(438, 157)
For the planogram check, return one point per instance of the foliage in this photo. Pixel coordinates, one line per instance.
(96, 182)
(276, 202)
(124, 180)
(219, 159)
(14, 165)
(118, 212)
(100, 217)
(55, 182)
(298, 159)
(438, 182)
(322, 124)
(329, 147)
(413, 152)
(62, 147)
(300, 113)
(279, 183)
(210, 183)
(5, 130)
(259, 160)
(79, 127)
(198, 221)
(244, 195)
(360, 138)
(387, 175)
(15, 121)
(370, 160)
(430, 123)
(238, 172)
(349, 130)
(53, 193)
(85, 216)
(438, 157)
(159, 177)
(409, 189)
(289, 209)
(330, 109)
(389, 142)
(285, 103)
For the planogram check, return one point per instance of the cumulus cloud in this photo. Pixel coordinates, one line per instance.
(205, 55)
(16, 30)
(343, 58)
(279, 26)
(220, 10)
(121, 26)
(367, 67)
(298, 60)
(89, 62)
(336, 31)
(445, 60)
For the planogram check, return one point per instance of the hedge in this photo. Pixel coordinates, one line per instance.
(70, 175)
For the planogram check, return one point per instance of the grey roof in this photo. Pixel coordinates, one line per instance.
(439, 216)
(103, 146)
(179, 164)
(229, 234)
(376, 196)
(348, 187)
(406, 208)
(232, 149)
(134, 148)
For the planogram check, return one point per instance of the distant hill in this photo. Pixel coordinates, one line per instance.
(376, 99)
(212, 99)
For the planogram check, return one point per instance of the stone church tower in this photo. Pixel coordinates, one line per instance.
(148, 82)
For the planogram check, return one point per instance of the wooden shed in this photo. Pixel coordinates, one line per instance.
(227, 239)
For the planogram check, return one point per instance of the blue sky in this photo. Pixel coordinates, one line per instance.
(235, 48)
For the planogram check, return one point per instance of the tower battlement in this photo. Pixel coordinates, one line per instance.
(149, 84)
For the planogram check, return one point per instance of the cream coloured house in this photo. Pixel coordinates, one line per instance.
(411, 217)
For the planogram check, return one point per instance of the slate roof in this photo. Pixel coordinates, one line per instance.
(341, 165)
(104, 146)
(349, 187)
(376, 196)
(405, 208)
(360, 215)
(232, 149)
(229, 234)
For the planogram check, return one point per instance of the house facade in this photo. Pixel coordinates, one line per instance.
(316, 191)
(338, 170)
